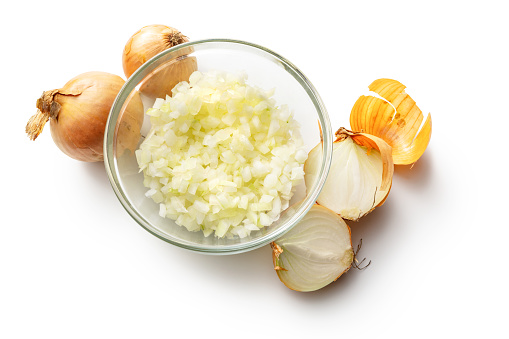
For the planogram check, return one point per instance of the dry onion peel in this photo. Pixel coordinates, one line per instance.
(150, 41)
(314, 253)
(78, 113)
(360, 176)
(395, 118)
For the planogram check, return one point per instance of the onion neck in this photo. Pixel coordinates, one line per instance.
(175, 39)
(46, 108)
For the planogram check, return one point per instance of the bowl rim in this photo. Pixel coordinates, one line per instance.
(110, 159)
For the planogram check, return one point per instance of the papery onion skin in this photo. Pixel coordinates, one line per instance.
(78, 113)
(396, 120)
(147, 43)
(315, 253)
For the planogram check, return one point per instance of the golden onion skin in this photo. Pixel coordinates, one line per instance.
(148, 42)
(396, 119)
(78, 113)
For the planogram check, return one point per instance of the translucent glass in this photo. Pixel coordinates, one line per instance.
(264, 69)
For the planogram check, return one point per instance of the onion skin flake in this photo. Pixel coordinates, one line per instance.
(221, 156)
(395, 118)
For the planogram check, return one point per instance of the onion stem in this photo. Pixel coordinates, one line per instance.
(36, 124)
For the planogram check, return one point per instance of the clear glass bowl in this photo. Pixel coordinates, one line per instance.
(264, 69)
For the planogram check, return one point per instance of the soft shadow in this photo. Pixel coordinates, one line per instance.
(417, 175)
(96, 171)
(254, 271)
(98, 183)
(251, 269)
(370, 228)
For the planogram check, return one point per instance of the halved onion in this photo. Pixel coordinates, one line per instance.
(360, 177)
(396, 119)
(316, 252)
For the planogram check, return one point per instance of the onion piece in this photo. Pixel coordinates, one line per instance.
(315, 252)
(360, 177)
(240, 169)
(395, 118)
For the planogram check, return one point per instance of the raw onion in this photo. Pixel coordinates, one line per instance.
(150, 41)
(221, 156)
(315, 252)
(78, 113)
(360, 177)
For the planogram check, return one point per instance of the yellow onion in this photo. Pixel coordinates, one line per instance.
(78, 113)
(315, 252)
(393, 116)
(150, 41)
(360, 176)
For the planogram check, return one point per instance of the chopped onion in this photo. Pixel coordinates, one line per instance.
(221, 156)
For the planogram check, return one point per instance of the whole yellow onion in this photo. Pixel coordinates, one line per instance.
(150, 41)
(78, 113)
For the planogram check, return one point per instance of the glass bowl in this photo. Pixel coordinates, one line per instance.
(264, 69)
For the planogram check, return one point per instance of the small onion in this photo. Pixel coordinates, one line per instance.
(150, 41)
(78, 113)
(315, 252)
(360, 176)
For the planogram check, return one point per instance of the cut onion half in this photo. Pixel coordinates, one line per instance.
(360, 176)
(315, 252)
(394, 117)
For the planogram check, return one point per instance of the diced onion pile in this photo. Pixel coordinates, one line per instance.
(221, 156)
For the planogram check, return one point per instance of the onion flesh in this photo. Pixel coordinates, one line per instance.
(315, 252)
(221, 156)
(360, 176)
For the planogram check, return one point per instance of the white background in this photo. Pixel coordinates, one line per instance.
(73, 264)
